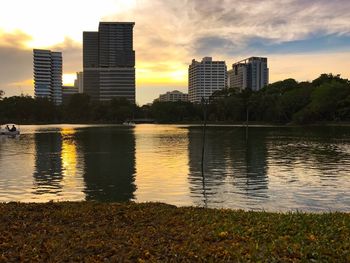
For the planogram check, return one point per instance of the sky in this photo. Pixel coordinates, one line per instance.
(301, 38)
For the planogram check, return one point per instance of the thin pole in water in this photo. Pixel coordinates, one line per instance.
(204, 104)
(247, 117)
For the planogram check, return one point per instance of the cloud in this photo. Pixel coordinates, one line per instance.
(319, 43)
(16, 63)
(71, 54)
(16, 39)
(16, 67)
(184, 28)
(168, 34)
(212, 45)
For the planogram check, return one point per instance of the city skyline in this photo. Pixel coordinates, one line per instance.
(302, 39)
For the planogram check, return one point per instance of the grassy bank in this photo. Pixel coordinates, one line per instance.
(96, 232)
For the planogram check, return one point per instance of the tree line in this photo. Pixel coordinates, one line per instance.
(326, 98)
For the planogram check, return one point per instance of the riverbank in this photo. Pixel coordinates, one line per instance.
(94, 232)
(212, 123)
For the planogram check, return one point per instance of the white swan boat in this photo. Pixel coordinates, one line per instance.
(129, 123)
(7, 129)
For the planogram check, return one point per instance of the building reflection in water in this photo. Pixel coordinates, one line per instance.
(48, 163)
(308, 168)
(57, 174)
(109, 157)
(235, 167)
(90, 163)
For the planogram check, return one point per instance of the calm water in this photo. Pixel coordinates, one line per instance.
(270, 168)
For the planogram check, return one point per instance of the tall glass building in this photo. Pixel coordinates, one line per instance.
(252, 73)
(48, 75)
(109, 62)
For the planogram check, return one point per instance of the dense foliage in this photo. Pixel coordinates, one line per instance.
(153, 232)
(25, 109)
(327, 98)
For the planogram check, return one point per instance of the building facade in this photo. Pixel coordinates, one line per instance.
(109, 62)
(252, 73)
(204, 78)
(237, 77)
(173, 96)
(68, 92)
(48, 75)
(79, 82)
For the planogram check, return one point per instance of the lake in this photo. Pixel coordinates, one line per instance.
(260, 168)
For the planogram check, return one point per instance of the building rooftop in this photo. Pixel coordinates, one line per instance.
(244, 61)
(117, 23)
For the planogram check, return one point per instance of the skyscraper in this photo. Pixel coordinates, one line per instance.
(90, 65)
(251, 73)
(109, 62)
(204, 78)
(48, 75)
(79, 82)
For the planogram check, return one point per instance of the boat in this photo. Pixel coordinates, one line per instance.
(7, 132)
(129, 123)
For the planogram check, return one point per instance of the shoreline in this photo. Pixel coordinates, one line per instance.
(93, 231)
(237, 124)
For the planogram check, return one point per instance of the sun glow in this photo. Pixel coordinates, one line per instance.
(66, 19)
(171, 73)
(68, 79)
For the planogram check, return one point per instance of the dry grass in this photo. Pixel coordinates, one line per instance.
(113, 232)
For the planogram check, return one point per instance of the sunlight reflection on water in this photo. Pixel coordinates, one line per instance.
(263, 168)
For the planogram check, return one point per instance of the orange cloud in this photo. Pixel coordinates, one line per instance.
(26, 82)
(14, 39)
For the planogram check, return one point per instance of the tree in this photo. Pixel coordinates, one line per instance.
(26, 109)
(293, 101)
(1, 94)
(326, 78)
(121, 110)
(166, 112)
(78, 108)
(327, 98)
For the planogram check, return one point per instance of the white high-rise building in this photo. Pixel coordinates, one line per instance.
(251, 73)
(173, 96)
(79, 82)
(204, 78)
(48, 75)
(237, 77)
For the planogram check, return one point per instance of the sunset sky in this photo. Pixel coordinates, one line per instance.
(301, 38)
